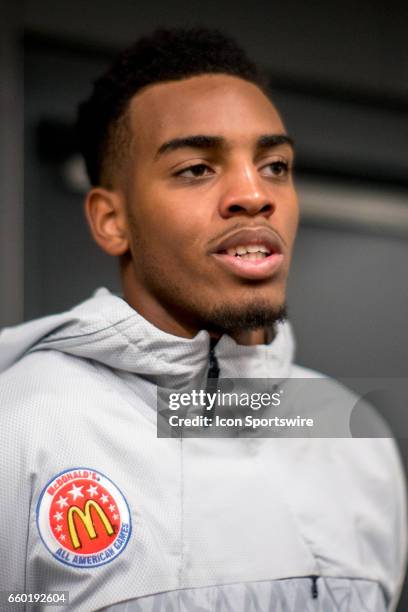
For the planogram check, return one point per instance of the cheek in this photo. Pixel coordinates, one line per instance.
(291, 219)
(294, 222)
(168, 227)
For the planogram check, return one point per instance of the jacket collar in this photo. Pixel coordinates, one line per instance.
(107, 330)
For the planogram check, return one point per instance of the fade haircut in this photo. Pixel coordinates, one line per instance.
(166, 55)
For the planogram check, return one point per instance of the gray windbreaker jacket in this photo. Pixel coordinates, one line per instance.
(94, 503)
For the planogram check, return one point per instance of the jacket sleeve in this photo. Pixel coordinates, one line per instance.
(14, 488)
(400, 527)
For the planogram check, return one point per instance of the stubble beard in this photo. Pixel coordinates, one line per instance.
(233, 319)
(226, 318)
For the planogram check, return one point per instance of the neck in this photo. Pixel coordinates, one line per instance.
(250, 337)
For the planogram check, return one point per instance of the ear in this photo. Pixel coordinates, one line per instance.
(105, 213)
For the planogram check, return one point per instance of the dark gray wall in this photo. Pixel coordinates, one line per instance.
(62, 264)
(11, 166)
(360, 44)
(348, 301)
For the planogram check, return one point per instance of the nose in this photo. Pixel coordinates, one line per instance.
(244, 194)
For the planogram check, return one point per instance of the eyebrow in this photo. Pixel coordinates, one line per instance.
(268, 141)
(202, 141)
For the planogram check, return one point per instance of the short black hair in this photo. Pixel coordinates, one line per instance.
(164, 55)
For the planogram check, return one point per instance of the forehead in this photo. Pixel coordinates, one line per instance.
(210, 104)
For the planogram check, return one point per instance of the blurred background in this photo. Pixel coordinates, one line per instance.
(339, 72)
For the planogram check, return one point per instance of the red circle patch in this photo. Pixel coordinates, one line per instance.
(69, 506)
(83, 518)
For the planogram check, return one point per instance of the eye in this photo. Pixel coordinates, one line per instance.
(195, 171)
(278, 168)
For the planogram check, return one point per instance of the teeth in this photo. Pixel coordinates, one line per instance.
(253, 256)
(251, 249)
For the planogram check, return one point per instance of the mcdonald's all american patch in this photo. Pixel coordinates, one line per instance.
(83, 518)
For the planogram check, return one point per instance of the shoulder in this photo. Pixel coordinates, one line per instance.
(356, 432)
(302, 372)
(359, 447)
(46, 394)
(345, 401)
(41, 375)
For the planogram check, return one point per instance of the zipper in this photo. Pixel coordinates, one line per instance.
(212, 382)
(315, 592)
(212, 374)
(213, 369)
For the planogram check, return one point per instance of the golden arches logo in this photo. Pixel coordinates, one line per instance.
(85, 516)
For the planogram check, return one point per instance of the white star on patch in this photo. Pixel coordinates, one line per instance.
(76, 492)
(62, 537)
(58, 516)
(92, 490)
(104, 498)
(58, 528)
(112, 507)
(115, 517)
(62, 501)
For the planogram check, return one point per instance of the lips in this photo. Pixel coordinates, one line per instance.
(231, 253)
(250, 237)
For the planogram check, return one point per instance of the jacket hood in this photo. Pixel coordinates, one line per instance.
(106, 329)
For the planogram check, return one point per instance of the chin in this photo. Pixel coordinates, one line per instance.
(236, 316)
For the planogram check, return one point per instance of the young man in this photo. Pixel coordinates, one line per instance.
(192, 189)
